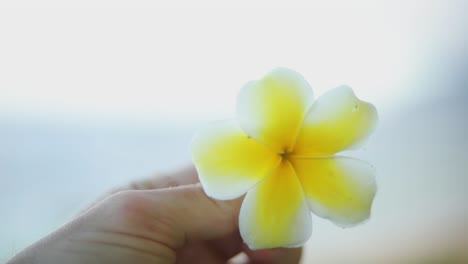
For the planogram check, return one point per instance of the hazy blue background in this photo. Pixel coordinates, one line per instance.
(92, 99)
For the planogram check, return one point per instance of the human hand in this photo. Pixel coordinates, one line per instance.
(160, 220)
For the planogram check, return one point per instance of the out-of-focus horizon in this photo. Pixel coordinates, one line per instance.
(91, 99)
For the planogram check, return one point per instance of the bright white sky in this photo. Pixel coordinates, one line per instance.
(191, 63)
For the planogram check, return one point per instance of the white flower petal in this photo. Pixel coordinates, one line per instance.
(337, 121)
(274, 213)
(338, 188)
(228, 161)
(271, 110)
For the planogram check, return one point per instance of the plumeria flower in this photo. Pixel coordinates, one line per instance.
(280, 151)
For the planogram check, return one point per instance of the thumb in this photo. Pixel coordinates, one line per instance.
(191, 215)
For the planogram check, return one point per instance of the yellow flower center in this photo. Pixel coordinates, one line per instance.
(285, 154)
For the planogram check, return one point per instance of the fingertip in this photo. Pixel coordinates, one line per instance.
(275, 255)
(196, 214)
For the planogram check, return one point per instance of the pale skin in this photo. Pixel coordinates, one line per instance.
(165, 219)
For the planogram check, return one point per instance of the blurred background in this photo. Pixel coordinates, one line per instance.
(91, 99)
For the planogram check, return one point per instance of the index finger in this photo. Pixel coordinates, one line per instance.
(185, 176)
